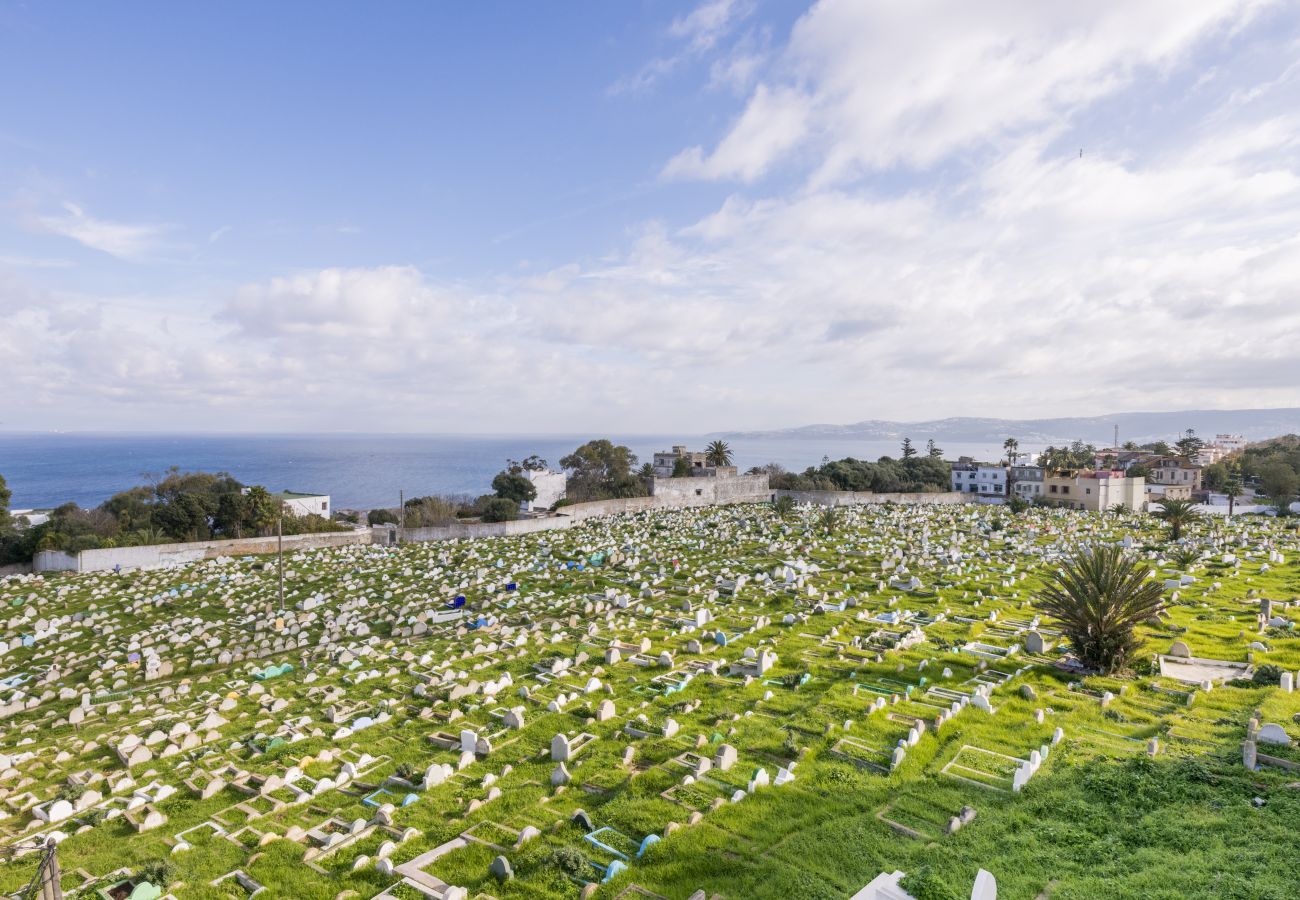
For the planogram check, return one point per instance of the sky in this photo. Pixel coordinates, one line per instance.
(643, 216)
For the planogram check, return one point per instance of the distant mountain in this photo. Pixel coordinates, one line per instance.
(1142, 427)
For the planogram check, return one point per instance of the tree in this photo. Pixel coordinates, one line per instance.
(647, 470)
(783, 506)
(681, 467)
(829, 519)
(1189, 445)
(932, 451)
(1177, 514)
(1011, 445)
(1017, 504)
(1279, 483)
(263, 509)
(1214, 477)
(499, 509)
(5, 519)
(718, 453)
(908, 450)
(1233, 488)
(381, 517)
(602, 470)
(516, 487)
(1099, 596)
(533, 463)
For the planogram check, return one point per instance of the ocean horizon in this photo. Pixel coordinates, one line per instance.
(357, 470)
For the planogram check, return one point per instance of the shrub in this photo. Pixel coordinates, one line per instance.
(499, 509)
(1267, 674)
(568, 860)
(925, 885)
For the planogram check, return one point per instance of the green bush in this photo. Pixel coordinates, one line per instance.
(499, 509)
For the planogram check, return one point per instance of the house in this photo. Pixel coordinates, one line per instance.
(550, 488)
(1175, 470)
(1209, 455)
(300, 504)
(1097, 491)
(1157, 492)
(987, 480)
(1230, 443)
(665, 464)
(1026, 482)
(30, 518)
(1119, 458)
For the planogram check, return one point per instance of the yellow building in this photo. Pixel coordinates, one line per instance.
(1095, 491)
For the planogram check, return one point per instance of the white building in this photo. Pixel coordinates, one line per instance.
(304, 504)
(1229, 442)
(984, 479)
(550, 489)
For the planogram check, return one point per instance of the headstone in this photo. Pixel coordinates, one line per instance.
(1273, 734)
(501, 870)
(986, 887)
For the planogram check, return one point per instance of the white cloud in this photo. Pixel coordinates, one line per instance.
(884, 84)
(705, 25)
(120, 239)
(700, 29)
(773, 123)
(1010, 277)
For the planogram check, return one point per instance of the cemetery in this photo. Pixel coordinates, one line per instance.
(714, 702)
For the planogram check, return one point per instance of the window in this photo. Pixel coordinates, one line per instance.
(1065, 489)
(1053, 489)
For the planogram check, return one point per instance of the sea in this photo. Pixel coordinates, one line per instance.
(358, 471)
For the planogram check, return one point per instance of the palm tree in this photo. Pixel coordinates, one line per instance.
(718, 453)
(1099, 596)
(783, 506)
(647, 470)
(1011, 445)
(1233, 489)
(829, 519)
(1177, 514)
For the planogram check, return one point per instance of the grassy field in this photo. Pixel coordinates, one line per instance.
(380, 664)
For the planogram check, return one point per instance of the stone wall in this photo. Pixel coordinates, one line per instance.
(157, 556)
(683, 492)
(745, 489)
(850, 498)
(15, 569)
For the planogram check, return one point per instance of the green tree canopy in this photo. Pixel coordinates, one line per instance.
(602, 470)
(514, 487)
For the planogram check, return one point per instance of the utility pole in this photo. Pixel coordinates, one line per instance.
(279, 543)
(1116, 444)
(401, 511)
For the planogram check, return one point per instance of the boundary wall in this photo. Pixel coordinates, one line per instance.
(851, 498)
(669, 494)
(158, 556)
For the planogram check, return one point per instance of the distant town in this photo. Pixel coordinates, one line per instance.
(1220, 475)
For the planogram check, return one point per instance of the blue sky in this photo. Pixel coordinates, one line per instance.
(643, 216)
